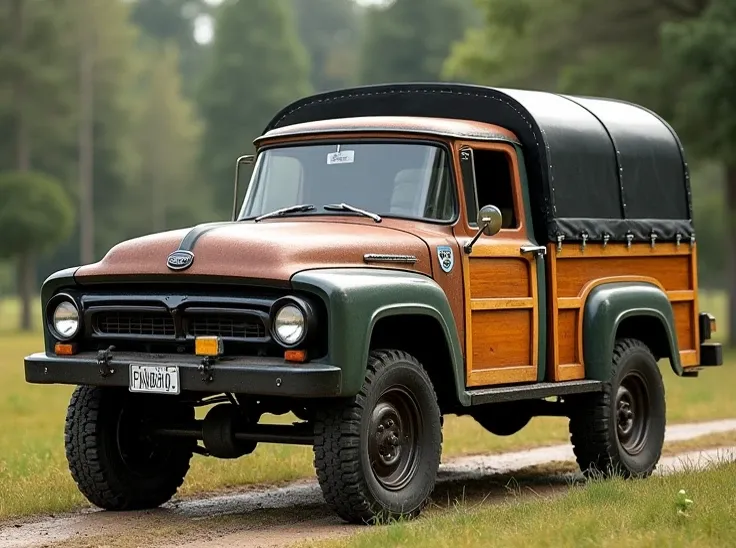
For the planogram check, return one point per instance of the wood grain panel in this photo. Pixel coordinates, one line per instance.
(502, 375)
(495, 278)
(574, 271)
(572, 274)
(501, 338)
(567, 340)
(684, 324)
(640, 249)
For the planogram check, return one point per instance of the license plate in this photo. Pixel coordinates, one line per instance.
(154, 379)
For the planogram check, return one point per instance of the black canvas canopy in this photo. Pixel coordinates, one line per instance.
(596, 167)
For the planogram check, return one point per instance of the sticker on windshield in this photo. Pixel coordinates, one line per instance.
(342, 157)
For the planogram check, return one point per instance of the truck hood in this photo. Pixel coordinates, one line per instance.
(273, 250)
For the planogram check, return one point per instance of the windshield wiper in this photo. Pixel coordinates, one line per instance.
(285, 210)
(347, 207)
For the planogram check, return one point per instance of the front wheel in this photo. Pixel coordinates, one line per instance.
(377, 454)
(620, 431)
(115, 464)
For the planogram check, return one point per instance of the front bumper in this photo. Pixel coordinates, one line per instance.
(256, 376)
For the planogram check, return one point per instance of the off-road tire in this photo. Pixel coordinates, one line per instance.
(97, 463)
(599, 445)
(350, 485)
(502, 419)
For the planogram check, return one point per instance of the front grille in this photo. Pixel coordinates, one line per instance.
(153, 324)
(226, 325)
(160, 325)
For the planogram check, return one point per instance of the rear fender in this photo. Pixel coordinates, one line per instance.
(607, 306)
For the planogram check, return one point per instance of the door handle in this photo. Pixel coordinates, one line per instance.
(538, 250)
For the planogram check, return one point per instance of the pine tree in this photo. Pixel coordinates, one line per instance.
(409, 40)
(257, 67)
(168, 141)
(35, 99)
(330, 31)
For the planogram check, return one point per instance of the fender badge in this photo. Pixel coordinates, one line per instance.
(180, 260)
(446, 257)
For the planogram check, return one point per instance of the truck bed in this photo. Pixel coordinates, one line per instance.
(572, 273)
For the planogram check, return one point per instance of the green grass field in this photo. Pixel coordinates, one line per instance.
(34, 477)
(613, 513)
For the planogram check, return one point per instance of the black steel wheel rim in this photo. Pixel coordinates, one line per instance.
(632, 413)
(393, 443)
(141, 454)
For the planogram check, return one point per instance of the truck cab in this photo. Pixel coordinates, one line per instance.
(400, 253)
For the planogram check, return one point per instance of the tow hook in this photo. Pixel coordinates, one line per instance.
(205, 368)
(104, 357)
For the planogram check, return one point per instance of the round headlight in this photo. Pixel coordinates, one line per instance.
(66, 320)
(290, 324)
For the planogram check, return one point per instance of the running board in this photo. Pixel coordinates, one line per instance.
(532, 391)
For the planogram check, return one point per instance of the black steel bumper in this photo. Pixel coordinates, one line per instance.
(257, 376)
(711, 354)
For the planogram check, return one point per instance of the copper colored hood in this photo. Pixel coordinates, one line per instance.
(273, 249)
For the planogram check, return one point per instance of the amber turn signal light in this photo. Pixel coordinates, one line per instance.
(299, 356)
(208, 346)
(65, 349)
(713, 325)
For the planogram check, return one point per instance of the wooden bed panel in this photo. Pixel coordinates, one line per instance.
(574, 271)
(573, 274)
(567, 324)
(683, 311)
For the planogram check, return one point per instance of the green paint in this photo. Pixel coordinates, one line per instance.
(52, 285)
(606, 307)
(541, 269)
(356, 298)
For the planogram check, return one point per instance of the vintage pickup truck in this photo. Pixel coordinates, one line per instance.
(402, 252)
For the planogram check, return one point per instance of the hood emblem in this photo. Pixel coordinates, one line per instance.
(180, 260)
(446, 257)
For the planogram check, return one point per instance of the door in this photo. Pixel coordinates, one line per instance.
(502, 274)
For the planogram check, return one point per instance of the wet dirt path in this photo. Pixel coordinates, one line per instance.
(278, 517)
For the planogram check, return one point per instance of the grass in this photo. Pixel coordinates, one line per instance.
(613, 513)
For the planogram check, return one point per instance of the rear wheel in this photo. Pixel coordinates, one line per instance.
(377, 454)
(114, 463)
(620, 431)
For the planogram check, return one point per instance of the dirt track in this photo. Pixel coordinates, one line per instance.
(279, 517)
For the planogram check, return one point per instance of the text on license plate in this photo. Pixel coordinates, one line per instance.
(156, 379)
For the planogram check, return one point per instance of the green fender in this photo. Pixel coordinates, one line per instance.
(607, 306)
(356, 298)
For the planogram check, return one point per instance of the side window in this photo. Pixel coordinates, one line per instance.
(441, 193)
(494, 185)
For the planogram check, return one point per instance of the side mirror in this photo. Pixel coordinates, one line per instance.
(489, 223)
(244, 161)
(489, 220)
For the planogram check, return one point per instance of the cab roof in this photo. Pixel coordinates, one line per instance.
(597, 168)
(441, 127)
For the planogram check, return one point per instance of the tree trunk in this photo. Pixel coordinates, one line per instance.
(22, 144)
(26, 288)
(86, 154)
(26, 272)
(731, 247)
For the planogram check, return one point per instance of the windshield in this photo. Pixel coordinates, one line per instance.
(389, 179)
